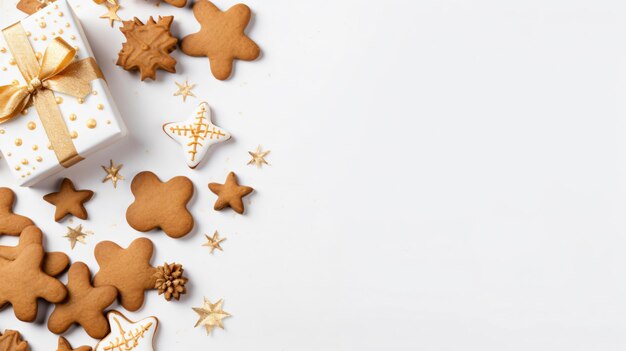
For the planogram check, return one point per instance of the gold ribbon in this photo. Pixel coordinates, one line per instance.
(58, 72)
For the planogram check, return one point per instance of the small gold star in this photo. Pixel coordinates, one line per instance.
(184, 90)
(214, 242)
(77, 235)
(113, 174)
(111, 15)
(211, 315)
(258, 157)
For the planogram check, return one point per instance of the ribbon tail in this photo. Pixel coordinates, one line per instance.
(13, 100)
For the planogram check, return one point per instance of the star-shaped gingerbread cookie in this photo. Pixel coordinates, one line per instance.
(128, 270)
(161, 205)
(230, 194)
(84, 305)
(64, 345)
(54, 263)
(221, 38)
(11, 223)
(69, 201)
(196, 134)
(11, 340)
(23, 282)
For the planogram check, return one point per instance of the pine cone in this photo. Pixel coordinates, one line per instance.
(170, 280)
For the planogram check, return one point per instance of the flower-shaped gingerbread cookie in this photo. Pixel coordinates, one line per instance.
(23, 282)
(128, 270)
(221, 38)
(85, 304)
(10, 223)
(161, 205)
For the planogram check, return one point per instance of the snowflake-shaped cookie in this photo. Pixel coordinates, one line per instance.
(196, 134)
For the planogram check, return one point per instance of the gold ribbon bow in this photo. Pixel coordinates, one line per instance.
(58, 72)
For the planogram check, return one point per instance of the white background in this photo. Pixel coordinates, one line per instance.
(446, 175)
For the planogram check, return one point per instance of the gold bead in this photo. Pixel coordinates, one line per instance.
(17, 168)
(35, 147)
(59, 100)
(60, 14)
(108, 121)
(24, 161)
(44, 37)
(67, 25)
(28, 34)
(4, 68)
(3, 50)
(25, 111)
(100, 107)
(31, 125)
(81, 100)
(74, 134)
(39, 159)
(72, 117)
(42, 24)
(73, 37)
(61, 31)
(94, 93)
(18, 142)
(91, 123)
(1, 131)
(12, 61)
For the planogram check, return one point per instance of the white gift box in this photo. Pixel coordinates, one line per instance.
(93, 123)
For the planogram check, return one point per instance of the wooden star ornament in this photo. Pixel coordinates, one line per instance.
(184, 90)
(77, 234)
(258, 157)
(196, 134)
(214, 242)
(111, 14)
(64, 345)
(211, 315)
(113, 173)
(69, 201)
(230, 194)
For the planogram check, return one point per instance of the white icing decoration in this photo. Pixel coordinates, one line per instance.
(127, 335)
(196, 134)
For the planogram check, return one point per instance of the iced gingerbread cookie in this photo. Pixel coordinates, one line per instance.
(11, 223)
(161, 204)
(23, 283)
(128, 270)
(84, 305)
(128, 335)
(221, 38)
(54, 263)
(196, 134)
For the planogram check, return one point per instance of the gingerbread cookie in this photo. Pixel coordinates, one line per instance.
(69, 201)
(10, 223)
(54, 263)
(148, 46)
(230, 194)
(221, 37)
(177, 3)
(161, 205)
(84, 305)
(11, 340)
(196, 134)
(64, 345)
(31, 6)
(128, 270)
(23, 282)
(126, 334)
